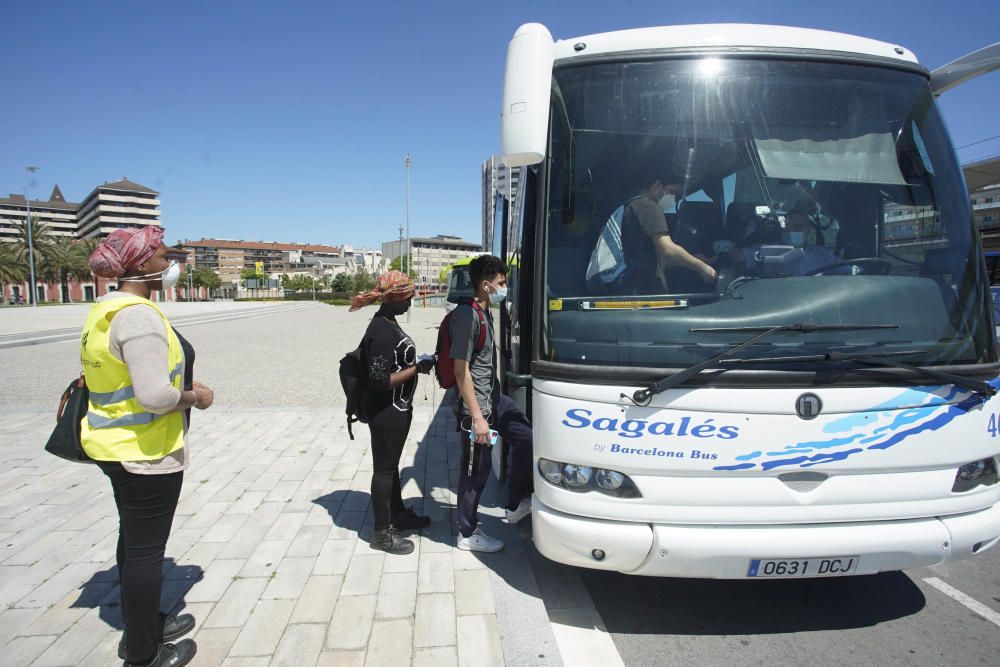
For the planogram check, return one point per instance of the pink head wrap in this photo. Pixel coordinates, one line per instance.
(392, 286)
(125, 249)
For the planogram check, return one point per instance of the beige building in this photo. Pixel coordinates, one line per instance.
(983, 179)
(430, 255)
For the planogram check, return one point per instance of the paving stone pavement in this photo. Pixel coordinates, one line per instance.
(269, 551)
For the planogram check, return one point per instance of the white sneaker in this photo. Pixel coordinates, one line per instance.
(522, 510)
(479, 541)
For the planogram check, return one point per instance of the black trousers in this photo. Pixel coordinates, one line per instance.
(146, 505)
(513, 426)
(387, 449)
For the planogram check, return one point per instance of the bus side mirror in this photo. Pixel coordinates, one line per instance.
(966, 68)
(524, 116)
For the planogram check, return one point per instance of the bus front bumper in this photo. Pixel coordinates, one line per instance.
(725, 552)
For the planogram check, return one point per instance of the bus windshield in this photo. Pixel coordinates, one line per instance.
(459, 283)
(820, 192)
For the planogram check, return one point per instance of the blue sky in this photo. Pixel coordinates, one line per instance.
(289, 121)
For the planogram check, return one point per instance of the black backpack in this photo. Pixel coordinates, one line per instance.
(352, 378)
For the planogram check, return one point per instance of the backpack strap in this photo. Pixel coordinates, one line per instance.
(482, 326)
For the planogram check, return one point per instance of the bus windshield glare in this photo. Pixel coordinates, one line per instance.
(820, 192)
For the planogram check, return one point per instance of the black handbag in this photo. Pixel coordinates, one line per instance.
(65, 439)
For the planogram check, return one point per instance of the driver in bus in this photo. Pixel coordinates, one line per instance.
(646, 242)
(800, 233)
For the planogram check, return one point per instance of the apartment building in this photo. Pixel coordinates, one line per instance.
(498, 179)
(228, 257)
(108, 207)
(983, 180)
(116, 205)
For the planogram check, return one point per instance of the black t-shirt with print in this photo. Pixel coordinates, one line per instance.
(388, 350)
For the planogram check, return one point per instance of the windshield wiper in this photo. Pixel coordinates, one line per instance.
(643, 396)
(981, 388)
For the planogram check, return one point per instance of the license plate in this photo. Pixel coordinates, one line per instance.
(833, 566)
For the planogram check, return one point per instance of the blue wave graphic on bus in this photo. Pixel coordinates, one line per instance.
(911, 412)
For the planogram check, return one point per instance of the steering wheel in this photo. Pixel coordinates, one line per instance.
(874, 266)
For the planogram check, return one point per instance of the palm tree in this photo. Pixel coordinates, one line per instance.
(87, 247)
(62, 260)
(11, 269)
(41, 239)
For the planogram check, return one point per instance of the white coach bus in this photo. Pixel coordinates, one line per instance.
(794, 419)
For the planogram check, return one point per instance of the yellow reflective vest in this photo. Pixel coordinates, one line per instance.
(116, 427)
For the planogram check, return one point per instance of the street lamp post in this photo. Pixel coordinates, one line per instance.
(33, 292)
(407, 161)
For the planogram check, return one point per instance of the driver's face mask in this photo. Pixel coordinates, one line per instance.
(668, 203)
(797, 239)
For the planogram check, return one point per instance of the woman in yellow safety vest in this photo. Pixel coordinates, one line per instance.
(139, 373)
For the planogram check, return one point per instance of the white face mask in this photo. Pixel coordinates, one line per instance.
(668, 203)
(170, 276)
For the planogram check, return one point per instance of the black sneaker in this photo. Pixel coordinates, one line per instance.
(174, 627)
(389, 541)
(169, 655)
(410, 520)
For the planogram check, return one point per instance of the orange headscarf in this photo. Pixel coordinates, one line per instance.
(392, 286)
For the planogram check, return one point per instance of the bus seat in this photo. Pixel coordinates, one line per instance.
(698, 226)
(738, 217)
(745, 228)
(567, 269)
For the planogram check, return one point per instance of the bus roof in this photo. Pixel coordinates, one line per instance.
(465, 261)
(736, 37)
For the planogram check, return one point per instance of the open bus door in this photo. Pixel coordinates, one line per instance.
(513, 240)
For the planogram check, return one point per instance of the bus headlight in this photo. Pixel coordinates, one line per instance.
(551, 471)
(977, 473)
(609, 480)
(582, 478)
(577, 476)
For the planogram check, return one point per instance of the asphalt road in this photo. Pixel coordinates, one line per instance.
(886, 619)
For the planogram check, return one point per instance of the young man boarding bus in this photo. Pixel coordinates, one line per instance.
(481, 408)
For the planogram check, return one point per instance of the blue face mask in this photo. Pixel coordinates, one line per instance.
(498, 294)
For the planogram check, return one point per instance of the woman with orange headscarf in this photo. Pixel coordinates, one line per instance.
(139, 373)
(391, 359)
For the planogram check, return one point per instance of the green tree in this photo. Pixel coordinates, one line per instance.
(301, 283)
(342, 283)
(363, 281)
(206, 277)
(199, 276)
(401, 261)
(12, 270)
(87, 248)
(63, 258)
(41, 240)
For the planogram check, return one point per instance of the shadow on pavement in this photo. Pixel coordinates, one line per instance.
(102, 591)
(645, 605)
